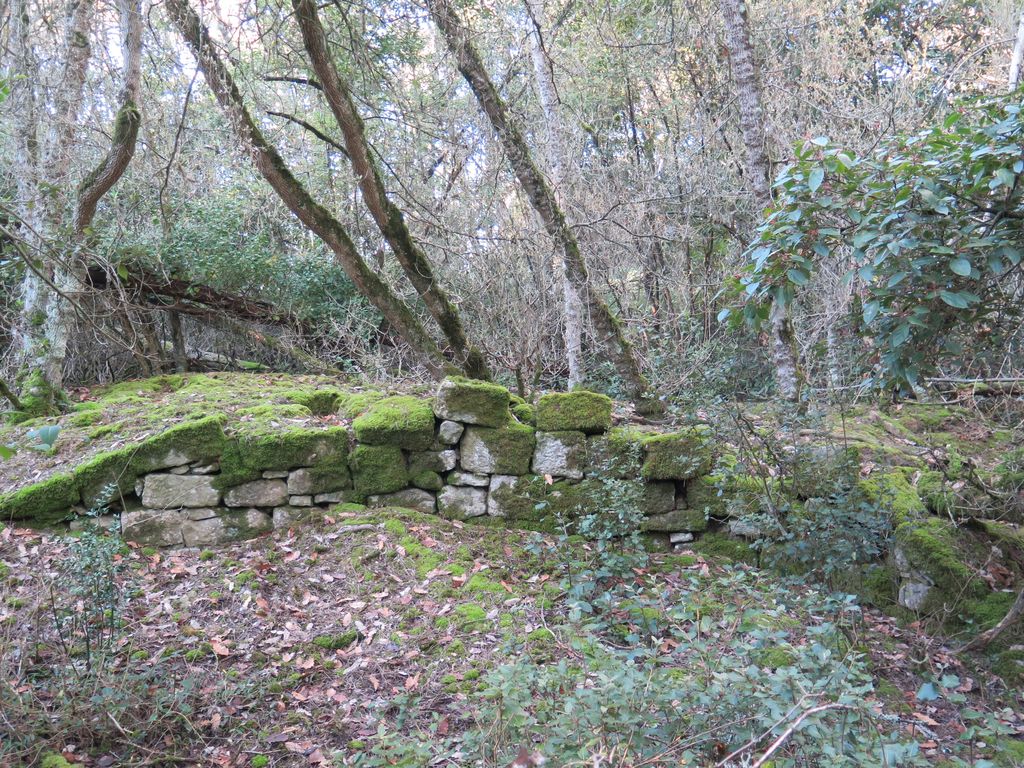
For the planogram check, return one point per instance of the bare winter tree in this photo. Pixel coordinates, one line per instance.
(44, 157)
(540, 195)
(748, 97)
(386, 214)
(311, 213)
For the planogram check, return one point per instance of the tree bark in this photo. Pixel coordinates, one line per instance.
(608, 330)
(547, 94)
(748, 96)
(387, 215)
(273, 168)
(1018, 54)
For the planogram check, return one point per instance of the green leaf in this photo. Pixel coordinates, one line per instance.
(955, 300)
(817, 176)
(1006, 177)
(797, 276)
(900, 335)
(927, 692)
(6, 451)
(961, 267)
(724, 315)
(871, 309)
(122, 271)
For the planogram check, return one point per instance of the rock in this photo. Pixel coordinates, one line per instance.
(505, 451)
(659, 498)
(428, 481)
(680, 538)
(506, 496)
(378, 469)
(173, 491)
(226, 526)
(412, 498)
(912, 594)
(468, 478)
(560, 454)
(580, 411)
(336, 497)
(403, 421)
(102, 522)
(258, 493)
(676, 520)
(313, 480)
(284, 517)
(205, 469)
(182, 470)
(171, 458)
(461, 502)
(275, 474)
(153, 527)
(472, 402)
(432, 461)
(449, 432)
(300, 501)
(742, 528)
(678, 455)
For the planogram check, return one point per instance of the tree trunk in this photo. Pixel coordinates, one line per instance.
(748, 96)
(273, 168)
(46, 321)
(178, 349)
(1018, 54)
(547, 94)
(387, 215)
(608, 330)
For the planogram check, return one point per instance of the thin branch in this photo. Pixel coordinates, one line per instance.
(311, 128)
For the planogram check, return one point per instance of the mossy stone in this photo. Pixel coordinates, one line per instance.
(719, 545)
(403, 421)
(524, 413)
(353, 404)
(378, 469)
(428, 480)
(678, 455)
(579, 411)
(929, 546)
(472, 402)
(892, 491)
(261, 446)
(504, 451)
(42, 503)
(675, 521)
(320, 402)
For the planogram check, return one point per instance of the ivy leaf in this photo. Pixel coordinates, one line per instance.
(1006, 177)
(798, 276)
(871, 309)
(961, 267)
(5, 452)
(927, 692)
(900, 335)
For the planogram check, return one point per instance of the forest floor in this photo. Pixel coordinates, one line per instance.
(311, 646)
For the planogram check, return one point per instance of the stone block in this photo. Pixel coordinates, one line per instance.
(461, 502)
(468, 478)
(411, 498)
(472, 402)
(322, 479)
(300, 501)
(403, 421)
(676, 520)
(378, 469)
(153, 527)
(161, 491)
(504, 451)
(449, 432)
(226, 526)
(560, 454)
(659, 498)
(574, 411)
(258, 493)
(678, 455)
(432, 461)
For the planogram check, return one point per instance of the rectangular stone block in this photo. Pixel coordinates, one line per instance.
(175, 491)
(258, 493)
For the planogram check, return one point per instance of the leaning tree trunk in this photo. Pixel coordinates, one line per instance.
(748, 97)
(607, 327)
(45, 322)
(555, 143)
(387, 215)
(273, 168)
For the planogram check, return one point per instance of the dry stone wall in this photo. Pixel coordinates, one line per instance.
(473, 452)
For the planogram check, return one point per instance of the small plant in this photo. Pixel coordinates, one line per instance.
(45, 437)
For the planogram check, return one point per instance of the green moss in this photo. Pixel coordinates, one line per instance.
(207, 555)
(776, 657)
(720, 546)
(259, 761)
(428, 481)
(524, 413)
(320, 402)
(1009, 753)
(85, 419)
(1009, 665)
(678, 455)
(986, 612)
(478, 583)
(676, 520)
(378, 469)
(893, 491)
(102, 431)
(470, 616)
(54, 760)
(274, 412)
(43, 503)
(353, 404)
(930, 546)
(579, 411)
(473, 401)
(261, 446)
(403, 421)
(336, 642)
(723, 494)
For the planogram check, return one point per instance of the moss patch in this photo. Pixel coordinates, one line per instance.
(403, 421)
(44, 503)
(472, 401)
(378, 469)
(579, 411)
(678, 455)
